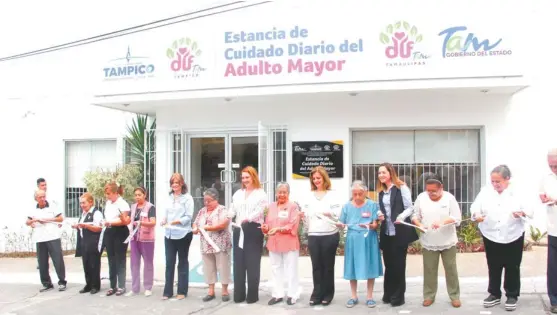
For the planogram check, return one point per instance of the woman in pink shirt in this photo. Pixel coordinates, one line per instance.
(281, 225)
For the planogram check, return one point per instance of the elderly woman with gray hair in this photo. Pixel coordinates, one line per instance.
(362, 257)
(216, 244)
(281, 225)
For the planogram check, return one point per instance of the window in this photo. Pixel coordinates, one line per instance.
(279, 159)
(82, 157)
(452, 154)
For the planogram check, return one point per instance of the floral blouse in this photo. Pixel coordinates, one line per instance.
(221, 238)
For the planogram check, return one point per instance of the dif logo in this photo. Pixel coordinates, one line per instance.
(400, 40)
(183, 55)
(129, 67)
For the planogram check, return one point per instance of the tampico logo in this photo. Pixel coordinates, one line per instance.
(472, 46)
(401, 39)
(183, 55)
(129, 67)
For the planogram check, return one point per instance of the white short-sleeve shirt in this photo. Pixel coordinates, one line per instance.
(47, 231)
(112, 209)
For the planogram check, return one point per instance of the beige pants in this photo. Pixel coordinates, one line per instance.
(213, 263)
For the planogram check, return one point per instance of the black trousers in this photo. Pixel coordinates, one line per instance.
(509, 257)
(180, 247)
(52, 249)
(552, 269)
(247, 261)
(116, 251)
(91, 259)
(323, 251)
(394, 281)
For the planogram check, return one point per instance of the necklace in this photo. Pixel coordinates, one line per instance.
(319, 195)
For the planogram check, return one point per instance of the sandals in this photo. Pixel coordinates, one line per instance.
(110, 292)
(120, 292)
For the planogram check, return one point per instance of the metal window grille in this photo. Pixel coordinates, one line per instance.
(80, 157)
(460, 179)
(149, 169)
(177, 152)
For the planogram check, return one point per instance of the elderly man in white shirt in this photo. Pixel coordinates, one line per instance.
(548, 195)
(501, 216)
(46, 234)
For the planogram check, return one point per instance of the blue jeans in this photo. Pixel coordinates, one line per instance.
(182, 248)
(552, 269)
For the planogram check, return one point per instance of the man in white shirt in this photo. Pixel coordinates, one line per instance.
(47, 236)
(548, 195)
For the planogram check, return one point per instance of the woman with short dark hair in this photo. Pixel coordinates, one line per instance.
(437, 212)
(501, 215)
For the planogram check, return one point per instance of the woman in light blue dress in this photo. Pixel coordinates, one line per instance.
(362, 258)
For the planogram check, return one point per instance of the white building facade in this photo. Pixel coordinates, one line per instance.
(451, 88)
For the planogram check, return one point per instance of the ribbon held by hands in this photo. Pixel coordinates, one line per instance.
(209, 239)
(132, 234)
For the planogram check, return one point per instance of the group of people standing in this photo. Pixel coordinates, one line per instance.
(377, 237)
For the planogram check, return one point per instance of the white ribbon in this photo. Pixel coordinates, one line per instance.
(412, 225)
(133, 233)
(328, 220)
(209, 239)
(100, 245)
(241, 240)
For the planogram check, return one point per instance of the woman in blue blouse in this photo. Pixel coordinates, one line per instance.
(362, 257)
(178, 236)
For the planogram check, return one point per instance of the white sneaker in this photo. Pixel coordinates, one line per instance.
(148, 293)
(130, 293)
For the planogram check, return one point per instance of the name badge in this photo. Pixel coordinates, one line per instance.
(366, 214)
(283, 214)
(143, 214)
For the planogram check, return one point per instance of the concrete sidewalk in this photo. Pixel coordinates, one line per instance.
(19, 285)
(471, 265)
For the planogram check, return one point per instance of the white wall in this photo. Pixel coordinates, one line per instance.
(331, 117)
(34, 146)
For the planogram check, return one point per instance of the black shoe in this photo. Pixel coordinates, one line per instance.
(314, 303)
(274, 301)
(289, 301)
(395, 303)
(251, 302)
(491, 301)
(85, 290)
(226, 298)
(61, 287)
(208, 297)
(325, 303)
(94, 291)
(553, 309)
(46, 288)
(510, 305)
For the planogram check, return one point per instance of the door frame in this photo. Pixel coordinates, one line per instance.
(227, 135)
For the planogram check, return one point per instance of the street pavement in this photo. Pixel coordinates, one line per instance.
(19, 286)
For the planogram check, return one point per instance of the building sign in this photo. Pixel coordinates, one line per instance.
(458, 42)
(402, 45)
(129, 67)
(183, 55)
(308, 154)
(285, 51)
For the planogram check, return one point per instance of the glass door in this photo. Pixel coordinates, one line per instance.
(207, 163)
(243, 152)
